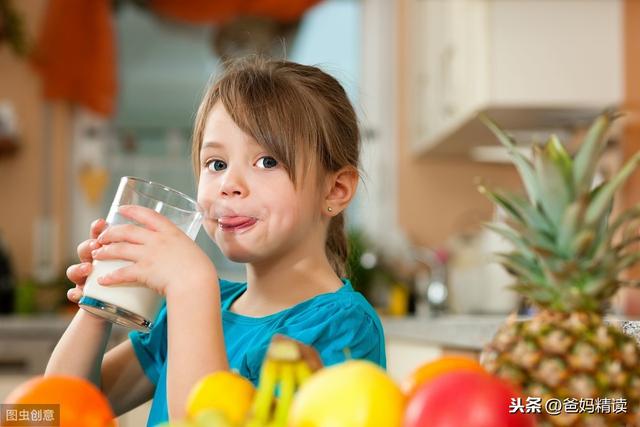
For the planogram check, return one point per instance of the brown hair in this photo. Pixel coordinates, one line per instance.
(296, 112)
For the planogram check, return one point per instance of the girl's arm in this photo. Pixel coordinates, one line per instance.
(123, 380)
(80, 353)
(195, 339)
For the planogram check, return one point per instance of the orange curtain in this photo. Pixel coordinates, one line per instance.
(75, 54)
(75, 51)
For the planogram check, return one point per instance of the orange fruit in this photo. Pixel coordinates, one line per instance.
(431, 370)
(82, 404)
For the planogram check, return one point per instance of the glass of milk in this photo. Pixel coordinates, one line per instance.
(131, 304)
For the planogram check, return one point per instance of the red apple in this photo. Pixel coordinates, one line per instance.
(463, 399)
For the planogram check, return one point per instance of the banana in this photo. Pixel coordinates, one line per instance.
(302, 372)
(283, 350)
(261, 409)
(284, 367)
(287, 389)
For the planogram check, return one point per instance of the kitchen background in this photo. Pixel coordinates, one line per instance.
(92, 91)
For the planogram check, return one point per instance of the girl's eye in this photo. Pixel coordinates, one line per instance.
(218, 165)
(267, 162)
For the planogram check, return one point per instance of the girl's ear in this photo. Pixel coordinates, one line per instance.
(341, 187)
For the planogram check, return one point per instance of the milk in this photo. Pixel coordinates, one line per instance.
(131, 304)
(132, 297)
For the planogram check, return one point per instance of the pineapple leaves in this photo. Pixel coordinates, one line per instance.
(630, 215)
(553, 167)
(586, 159)
(582, 242)
(524, 166)
(535, 293)
(602, 200)
(518, 241)
(519, 209)
(627, 261)
(560, 157)
(517, 264)
(571, 219)
(568, 255)
(620, 247)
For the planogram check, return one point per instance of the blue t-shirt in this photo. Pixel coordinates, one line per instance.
(329, 322)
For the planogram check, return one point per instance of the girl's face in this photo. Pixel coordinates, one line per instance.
(252, 209)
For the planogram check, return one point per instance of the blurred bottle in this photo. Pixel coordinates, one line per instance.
(7, 280)
(398, 299)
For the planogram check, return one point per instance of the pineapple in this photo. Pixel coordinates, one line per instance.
(567, 260)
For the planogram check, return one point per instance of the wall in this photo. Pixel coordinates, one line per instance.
(437, 197)
(631, 133)
(21, 189)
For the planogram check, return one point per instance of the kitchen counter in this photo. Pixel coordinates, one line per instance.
(26, 342)
(470, 332)
(464, 332)
(460, 331)
(46, 326)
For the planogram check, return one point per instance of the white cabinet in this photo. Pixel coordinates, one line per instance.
(448, 51)
(467, 56)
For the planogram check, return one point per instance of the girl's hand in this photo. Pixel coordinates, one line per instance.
(78, 273)
(164, 258)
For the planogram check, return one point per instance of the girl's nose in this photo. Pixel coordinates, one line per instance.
(233, 185)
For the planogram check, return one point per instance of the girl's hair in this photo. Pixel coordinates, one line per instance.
(296, 112)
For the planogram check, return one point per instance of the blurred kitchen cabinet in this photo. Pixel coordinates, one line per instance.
(447, 37)
(531, 61)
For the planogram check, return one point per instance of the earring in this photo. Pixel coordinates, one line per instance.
(330, 209)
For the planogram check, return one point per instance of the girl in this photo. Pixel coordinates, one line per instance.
(275, 153)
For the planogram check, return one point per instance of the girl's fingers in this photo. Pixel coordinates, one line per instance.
(78, 273)
(85, 248)
(123, 233)
(124, 250)
(97, 227)
(129, 274)
(74, 294)
(146, 217)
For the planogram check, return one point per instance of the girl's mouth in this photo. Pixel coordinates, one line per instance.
(235, 224)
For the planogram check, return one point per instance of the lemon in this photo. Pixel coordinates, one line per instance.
(356, 393)
(227, 392)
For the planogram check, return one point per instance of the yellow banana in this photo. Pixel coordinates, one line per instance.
(302, 372)
(284, 350)
(261, 409)
(285, 368)
(287, 389)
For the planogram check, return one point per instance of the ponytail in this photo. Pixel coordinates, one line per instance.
(336, 245)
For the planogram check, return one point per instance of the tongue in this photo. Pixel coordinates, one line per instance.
(235, 221)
